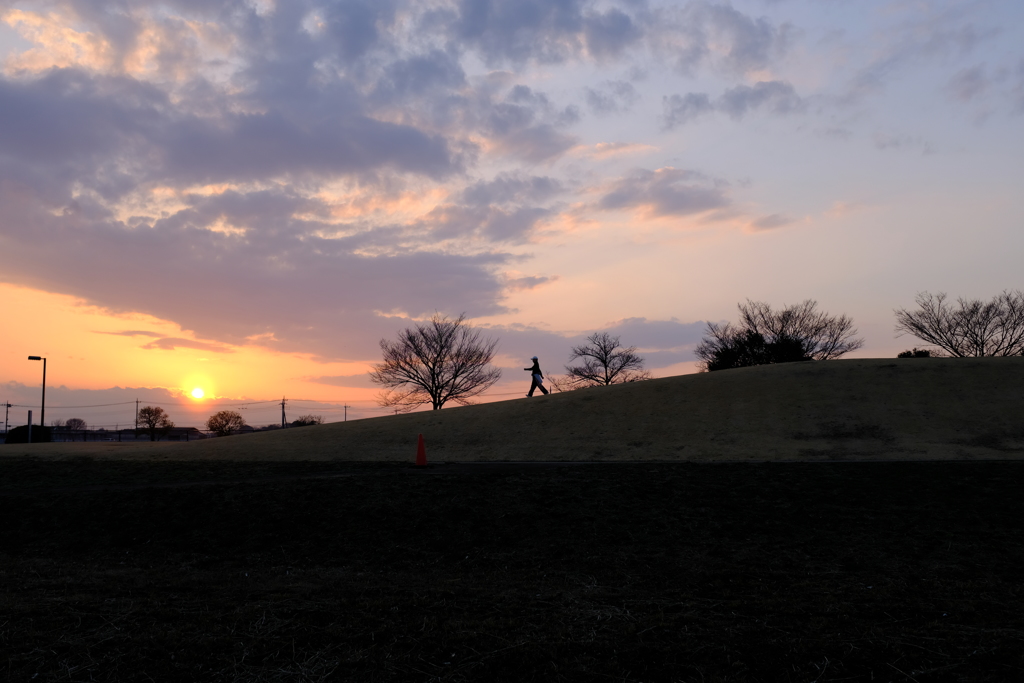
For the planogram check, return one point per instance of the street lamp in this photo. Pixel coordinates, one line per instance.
(42, 408)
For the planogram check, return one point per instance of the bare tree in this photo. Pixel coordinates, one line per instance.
(971, 328)
(604, 362)
(225, 422)
(155, 420)
(764, 336)
(435, 362)
(308, 420)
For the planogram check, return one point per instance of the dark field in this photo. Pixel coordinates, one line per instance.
(634, 572)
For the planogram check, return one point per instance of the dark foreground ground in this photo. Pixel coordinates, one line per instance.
(634, 572)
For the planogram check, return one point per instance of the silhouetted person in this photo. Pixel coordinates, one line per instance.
(538, 378)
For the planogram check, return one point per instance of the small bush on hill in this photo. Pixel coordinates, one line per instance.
(764, 336)
(915, 353)
(745, 348)
(20, 434)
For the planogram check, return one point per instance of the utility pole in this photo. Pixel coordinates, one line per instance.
(346, 413)
(7, 413)
(42, 408)
(283, 401)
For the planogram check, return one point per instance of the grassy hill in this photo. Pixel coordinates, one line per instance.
(835, 410)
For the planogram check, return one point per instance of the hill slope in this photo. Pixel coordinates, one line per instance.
(847, 409)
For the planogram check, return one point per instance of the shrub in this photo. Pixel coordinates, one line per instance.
(20, 434)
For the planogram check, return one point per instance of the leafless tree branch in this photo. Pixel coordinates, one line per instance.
(435, 362)
(604, 362)
(971, 328)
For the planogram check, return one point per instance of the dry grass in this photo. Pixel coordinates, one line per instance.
(837, 410)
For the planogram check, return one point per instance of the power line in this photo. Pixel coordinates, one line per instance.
(95, 405)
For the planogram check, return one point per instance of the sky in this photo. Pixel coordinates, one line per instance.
(247, 196)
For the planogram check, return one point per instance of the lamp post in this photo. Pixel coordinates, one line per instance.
(42, 408)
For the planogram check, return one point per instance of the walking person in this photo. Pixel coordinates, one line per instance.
(538, 378)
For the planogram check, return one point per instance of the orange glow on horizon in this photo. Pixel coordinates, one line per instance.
(88, 348)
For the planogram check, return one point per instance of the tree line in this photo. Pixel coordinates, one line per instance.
(155, 422)
(446, 359)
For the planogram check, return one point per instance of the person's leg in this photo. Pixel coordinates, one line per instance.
(533, 387)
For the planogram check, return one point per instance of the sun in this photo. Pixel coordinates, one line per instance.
(198, 393)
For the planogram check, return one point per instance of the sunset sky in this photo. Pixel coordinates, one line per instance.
(247, 196)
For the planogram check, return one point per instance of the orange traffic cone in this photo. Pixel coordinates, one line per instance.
(421, 453)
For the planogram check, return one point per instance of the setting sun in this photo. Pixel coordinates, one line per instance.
(197, 393)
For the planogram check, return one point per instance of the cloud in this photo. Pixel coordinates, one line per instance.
(353, 27)
(504, 209)
(420, 76)
(357, 381)
(680, 109)
(1017, 92)
(612, 97)
(495, 224)
(967, 84)
(609, 33)
(210, 164)
(112, 134)
(519, 30)
(172, 343)
(893, 141)
(718, 35)
(656, 334)
(610, 150)
(841, 209)
(775, 220)
(326, 296)
(526, 125)
(749, 44)
(988, 85)
(508, 188)
(940, 33)
(59, 396)
(665, 192)
(133, 333)
(775, 97)
(529, 282)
